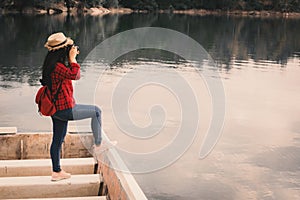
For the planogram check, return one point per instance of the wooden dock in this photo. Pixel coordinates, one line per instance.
(25, 170)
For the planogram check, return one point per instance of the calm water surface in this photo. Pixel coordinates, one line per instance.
(257, 156)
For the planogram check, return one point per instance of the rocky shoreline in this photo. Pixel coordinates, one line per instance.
(95, 11)
(62, 9)
(242, 13)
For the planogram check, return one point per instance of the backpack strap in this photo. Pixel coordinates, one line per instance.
(57, 92)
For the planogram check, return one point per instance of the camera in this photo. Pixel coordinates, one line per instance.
(68, 48)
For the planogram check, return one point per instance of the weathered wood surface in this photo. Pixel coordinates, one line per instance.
(42, 167)
(120, 185)
(70, 198)
(42, 187)
(8, 130)
(37, 146)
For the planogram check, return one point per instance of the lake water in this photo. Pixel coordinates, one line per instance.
(257, 61)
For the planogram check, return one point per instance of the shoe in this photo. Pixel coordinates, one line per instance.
(57, 176)
(104, 146)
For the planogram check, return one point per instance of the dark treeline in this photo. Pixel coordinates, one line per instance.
(276, 5)
(226, 39)
(153, 5)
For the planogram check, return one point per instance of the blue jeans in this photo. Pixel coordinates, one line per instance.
(60, 124)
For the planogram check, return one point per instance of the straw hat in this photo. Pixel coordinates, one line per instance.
(57, 41)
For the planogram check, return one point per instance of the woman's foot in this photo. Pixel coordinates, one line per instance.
(57, 176)
(104, 146)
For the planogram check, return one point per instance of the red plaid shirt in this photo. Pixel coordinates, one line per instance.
(65, 98)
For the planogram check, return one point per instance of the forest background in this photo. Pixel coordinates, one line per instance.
(156, 5)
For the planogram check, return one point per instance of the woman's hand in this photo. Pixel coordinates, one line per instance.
(73, 53)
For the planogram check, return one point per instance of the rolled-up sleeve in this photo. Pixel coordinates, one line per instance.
(72, 73)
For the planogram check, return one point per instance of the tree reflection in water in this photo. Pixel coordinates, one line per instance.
(227, 39)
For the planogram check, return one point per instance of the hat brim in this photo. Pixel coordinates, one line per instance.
(68, 42)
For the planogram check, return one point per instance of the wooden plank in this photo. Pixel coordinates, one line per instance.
(37, 146)
(70, 198)
(8, 130)
(42, 167)
(43, 187)
(121, 185)
(79, 129)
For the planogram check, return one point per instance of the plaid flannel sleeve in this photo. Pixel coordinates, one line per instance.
(72, 73)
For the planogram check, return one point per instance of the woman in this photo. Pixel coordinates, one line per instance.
(59, 69)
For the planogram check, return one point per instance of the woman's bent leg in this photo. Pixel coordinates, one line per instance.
(59, 133)
(90, 111)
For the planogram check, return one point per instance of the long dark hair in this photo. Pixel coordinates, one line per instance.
(61, 55)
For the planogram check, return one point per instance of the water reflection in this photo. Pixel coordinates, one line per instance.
(227, 39)
(280, 159)
(258, 154)
(22, 39)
